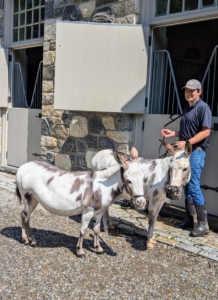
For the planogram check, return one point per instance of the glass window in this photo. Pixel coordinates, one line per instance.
(36, 2)
(161, 7)
(35, 31)
(16, 5)
(207, 3)
(22, 19)
(21, 33)
(24, 16)
(175, 6)
(191, 4)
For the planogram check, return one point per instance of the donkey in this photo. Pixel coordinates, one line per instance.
(163, 178)
(67, 193)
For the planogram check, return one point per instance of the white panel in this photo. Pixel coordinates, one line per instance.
(101, 67)
(23, 140)
(4, 88)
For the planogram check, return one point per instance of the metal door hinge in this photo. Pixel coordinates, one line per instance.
(146, 102)
(9, 57)
(143, 125)
(6, 154)
(149, 40)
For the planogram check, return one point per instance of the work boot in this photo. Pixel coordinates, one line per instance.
(191, 216)
(203, 227)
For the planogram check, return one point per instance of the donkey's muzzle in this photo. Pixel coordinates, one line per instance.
(173, 192)
(139, 202)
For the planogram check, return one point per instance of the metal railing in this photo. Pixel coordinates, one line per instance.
(163, 94)
(210, 83)
(19, 98)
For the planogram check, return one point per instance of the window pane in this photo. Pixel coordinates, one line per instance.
(36, 15)
(29, 4)
(22, 4)
(29, 17)
(36, 2)
(42, 2)
(41, 30)
(21, 31)
(175, 6)
(22, 19)
(207, 3)
(28, 32)
(35, 31)
(15, 21)
(42, 14)
(16, 5)
(161, 7)
(191, 4)
(15, 35)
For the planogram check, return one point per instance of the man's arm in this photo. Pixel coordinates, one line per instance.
(169, 133)
(205, 132)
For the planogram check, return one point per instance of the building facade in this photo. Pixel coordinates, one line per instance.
(81, 76)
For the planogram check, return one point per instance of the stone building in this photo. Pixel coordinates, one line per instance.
(80, 76)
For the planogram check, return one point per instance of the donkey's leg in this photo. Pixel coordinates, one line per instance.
(154, 209)
(86, 218)
(29, 206)
(97, 229)
(107, 222)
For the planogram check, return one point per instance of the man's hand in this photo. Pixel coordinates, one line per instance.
(168, 133)
(180, 144)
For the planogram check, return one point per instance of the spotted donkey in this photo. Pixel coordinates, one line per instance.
(163, 178)
(66, 193)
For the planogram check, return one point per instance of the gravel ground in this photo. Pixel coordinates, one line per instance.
(125, 271)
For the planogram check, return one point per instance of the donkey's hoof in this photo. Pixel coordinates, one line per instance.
(33, 244)
(106, 231)
(25, 241)
(101, 252)
(150, 245)
(111, 226)
(81, 256)
(153, 241)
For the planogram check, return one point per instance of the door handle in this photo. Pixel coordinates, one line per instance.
(39, 115)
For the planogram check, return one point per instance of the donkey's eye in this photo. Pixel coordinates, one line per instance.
(185, 169)
(128, 181)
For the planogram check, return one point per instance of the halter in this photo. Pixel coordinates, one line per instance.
(125, 186)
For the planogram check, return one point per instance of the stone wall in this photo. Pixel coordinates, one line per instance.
(70, 138)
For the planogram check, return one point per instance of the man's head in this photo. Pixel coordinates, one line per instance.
(192, 91)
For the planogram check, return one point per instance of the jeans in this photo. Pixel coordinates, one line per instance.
(192, 189)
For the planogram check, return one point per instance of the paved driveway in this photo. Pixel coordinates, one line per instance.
(125, 271)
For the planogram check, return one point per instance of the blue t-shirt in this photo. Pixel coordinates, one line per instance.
(193, 120)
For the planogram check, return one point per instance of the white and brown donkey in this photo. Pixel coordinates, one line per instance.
(66, 193)
(163, 178)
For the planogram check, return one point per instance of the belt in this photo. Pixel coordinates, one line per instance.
(198, 148)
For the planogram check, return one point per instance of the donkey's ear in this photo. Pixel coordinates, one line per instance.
(169, 147)
(134, 153)
(188, 148)
(120, 159)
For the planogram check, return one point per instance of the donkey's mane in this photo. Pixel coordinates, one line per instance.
(109, 172)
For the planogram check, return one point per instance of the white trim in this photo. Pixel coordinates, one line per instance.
(27, 44)
(183, 17)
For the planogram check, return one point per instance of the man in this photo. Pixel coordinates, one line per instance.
(195, 126)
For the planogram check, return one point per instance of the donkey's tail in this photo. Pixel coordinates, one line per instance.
(17, 192)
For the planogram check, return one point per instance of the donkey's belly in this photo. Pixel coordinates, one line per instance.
(60, 206)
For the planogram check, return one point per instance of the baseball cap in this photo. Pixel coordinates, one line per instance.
(193, 84)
